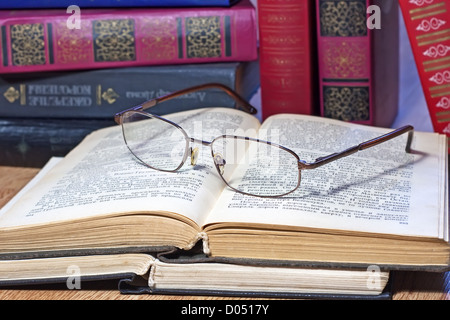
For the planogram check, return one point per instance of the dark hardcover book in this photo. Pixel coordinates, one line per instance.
(32, 142)
(102, 93)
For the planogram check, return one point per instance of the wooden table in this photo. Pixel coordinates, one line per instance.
(406, 285)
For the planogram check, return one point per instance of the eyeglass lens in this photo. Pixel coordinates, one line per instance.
(246, 165)
(157, 143)
(255, 167)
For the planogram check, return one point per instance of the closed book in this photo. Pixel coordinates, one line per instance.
(192, 274)
(287, 56)
(49, 40)
(101, 93)
(427, 25)
(26, 142)
(358, 60)
(28, 4)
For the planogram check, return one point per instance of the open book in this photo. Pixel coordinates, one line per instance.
(381, 206)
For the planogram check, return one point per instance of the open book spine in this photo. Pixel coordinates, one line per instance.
(44, 40)
(428, 25)
(287, 56)
(358, 61)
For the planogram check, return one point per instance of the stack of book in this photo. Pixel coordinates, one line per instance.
(66, 70)
(97, 213)
(337, 59)
(93, 216)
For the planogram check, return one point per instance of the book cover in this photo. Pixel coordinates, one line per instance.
(46, 40)
(101, 93)
(26, 142)
(428, 26)
(287, 56)
(142, 273)
(358, 61)
(28, 4)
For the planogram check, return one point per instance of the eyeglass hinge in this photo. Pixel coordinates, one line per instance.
(303, 165)
(143, 106)
(118, 116)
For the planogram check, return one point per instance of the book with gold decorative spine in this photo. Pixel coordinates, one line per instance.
(358, 60)
(44, 40)
(100, 93)
(427, 24)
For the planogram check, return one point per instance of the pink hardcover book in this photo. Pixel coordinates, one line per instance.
(44, 40)
(358, 62)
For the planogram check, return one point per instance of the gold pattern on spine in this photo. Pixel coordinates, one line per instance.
(430, 10)
(203, 37)
(11, 95)
(114, 40)
(71, 46)
(443, 116)
(159, 40)
(27, 44)
(98, 94)
(110, 96)
(348, 59)
(431, 36)
(23, 95)
(343, 18)
(346, 103)
(438, 36)
(439, 64)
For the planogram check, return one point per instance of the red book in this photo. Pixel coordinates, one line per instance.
(286, 57)
(428, 25)
(44, 40)
(358, 61)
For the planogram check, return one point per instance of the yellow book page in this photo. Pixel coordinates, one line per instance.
(100, 177)
(381, 190)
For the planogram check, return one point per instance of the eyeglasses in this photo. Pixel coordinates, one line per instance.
(247, 165)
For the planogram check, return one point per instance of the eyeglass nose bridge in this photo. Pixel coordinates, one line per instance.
(202, 142)
(195, 151)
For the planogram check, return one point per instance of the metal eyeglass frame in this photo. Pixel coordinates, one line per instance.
(245, 106)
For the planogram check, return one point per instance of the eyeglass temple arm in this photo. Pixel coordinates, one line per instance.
(365, 145)
(151, 103)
